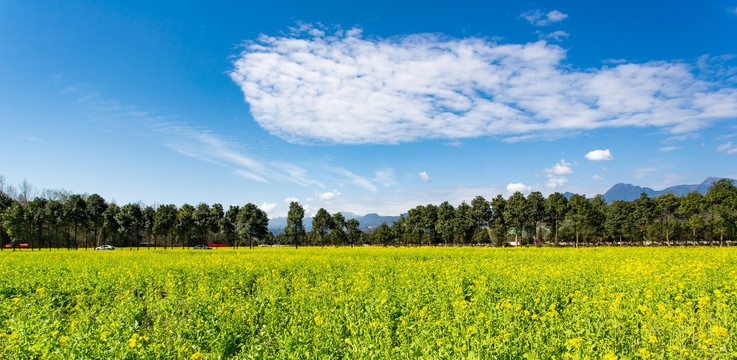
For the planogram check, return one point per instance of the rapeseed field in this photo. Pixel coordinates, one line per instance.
(370, 303)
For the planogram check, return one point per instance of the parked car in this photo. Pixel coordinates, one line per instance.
(201, 247)
(105, 247)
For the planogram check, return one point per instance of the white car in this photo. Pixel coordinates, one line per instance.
(105, 247)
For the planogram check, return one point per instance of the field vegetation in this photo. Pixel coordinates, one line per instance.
(370, 302)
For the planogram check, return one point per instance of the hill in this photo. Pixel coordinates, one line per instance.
(629, 192)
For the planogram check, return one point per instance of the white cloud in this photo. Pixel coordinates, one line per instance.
(561, 168)
(555, 35)
(728, 148)
(599, 155)
(555, 174)
(268, 207)
(424, 177)
(327, 196)
(539, 18)
(514, 187)
(556, 181)
(669, 148)
(306, 86)
(597, 177)
(556, 16)
(385, 177)
(291, 199)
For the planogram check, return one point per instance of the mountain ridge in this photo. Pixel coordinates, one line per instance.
(629, 192)
(367, 222)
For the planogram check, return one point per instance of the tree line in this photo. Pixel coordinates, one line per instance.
(58, 219)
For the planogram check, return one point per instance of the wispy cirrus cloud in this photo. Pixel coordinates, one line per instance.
(540, 18)
(669, 148)
(304, 86)
(728, 148)
(385, 177)
(203, 145)
(356, 179)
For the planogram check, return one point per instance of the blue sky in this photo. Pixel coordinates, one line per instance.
(373, 107)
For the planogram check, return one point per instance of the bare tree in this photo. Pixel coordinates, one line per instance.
(26, 192)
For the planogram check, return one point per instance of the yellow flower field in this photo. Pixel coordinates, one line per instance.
(394, 303)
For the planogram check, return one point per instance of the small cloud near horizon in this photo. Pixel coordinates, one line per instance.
(330, 195)
(515, 187)
(424, 177)
(268, 207)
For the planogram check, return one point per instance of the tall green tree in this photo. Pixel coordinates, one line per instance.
(463, 223)
(321, 224)
(75, 212)
(721, 201)
(164, 223)
(185, 224)
(644, 213)
(481, 211)
(5, 202)
(415, 223)
(228, 224)
(110, 227)
(383, 234)
(667, 205)
(202, 223)
(445, 223)
(556, 210)
(354, 232)
(578, 214)
(36, 218)
(692, 208)
(148, 220)
(216, 219)
(96, 207)
(518, 214)
(596, 217)
(398, 230)
(430, 222)
(337, 229)
(253, 223)
(130, 222)
(499, 223)
(618, 221)
(295, 229)
(536, 206)
(14, 222)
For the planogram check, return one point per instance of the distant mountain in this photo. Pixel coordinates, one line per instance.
(629, 192)
(367, 222)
